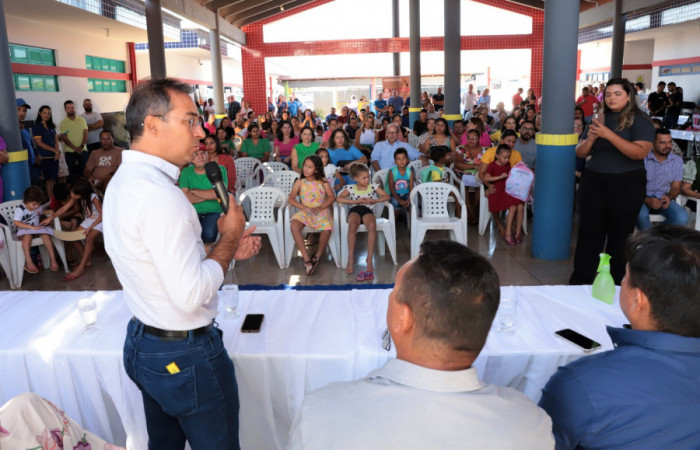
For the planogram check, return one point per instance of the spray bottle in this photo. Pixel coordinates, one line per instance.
(604, 285)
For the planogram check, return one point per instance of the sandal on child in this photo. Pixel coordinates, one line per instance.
(54, 267)
(518, 238)
(369, 275)
(28, 270)
(509, 240)
(314, 262)
(360, 276)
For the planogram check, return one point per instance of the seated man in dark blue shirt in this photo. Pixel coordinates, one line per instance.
(644, 394)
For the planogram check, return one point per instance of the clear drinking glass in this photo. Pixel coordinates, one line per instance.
(88, 312)
(507, 315)
(229, 297)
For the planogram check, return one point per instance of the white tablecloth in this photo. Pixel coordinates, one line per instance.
(308, 339)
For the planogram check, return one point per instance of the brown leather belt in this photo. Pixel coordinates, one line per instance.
(174, 334)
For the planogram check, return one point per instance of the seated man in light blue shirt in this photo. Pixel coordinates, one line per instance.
(430, 396)
(383, 152)
(664, 176)
(644, 394)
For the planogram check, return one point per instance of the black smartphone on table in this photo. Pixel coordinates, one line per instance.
(586, 344)
(252, 323)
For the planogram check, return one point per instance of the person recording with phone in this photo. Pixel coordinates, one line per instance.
(613, 184)
(644, 393)
(173, 349)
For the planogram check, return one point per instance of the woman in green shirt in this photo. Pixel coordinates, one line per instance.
(199, 191)
(255, 147)
(306, 147)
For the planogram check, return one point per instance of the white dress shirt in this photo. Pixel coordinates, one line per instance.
(153, 237)
(405, 406)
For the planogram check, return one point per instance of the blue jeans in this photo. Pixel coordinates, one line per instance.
(209, 228)
(198, 404)
(675, 215)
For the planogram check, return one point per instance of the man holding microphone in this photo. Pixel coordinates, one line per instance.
(173, 349)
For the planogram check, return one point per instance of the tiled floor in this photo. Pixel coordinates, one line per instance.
(515, 266)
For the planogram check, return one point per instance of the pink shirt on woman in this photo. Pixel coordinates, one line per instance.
(286, 149)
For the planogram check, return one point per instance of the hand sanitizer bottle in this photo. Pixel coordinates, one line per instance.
(604, 285)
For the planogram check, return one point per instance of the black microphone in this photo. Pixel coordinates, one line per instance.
(217, 182)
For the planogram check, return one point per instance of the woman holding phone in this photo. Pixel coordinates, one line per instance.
(613, 185)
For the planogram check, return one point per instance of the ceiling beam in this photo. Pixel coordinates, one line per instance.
(537, 4)
(214, 5)
(249, 18)
(202, 16)
(605, 12)
(241, 6)
(255, 7)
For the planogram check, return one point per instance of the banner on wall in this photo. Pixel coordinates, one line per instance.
(401, 84)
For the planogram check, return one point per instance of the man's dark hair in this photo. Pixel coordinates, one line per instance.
(671, 84)
(585, 89)
(506, 133)
(67, 102)
(400, 151)
(150, 98)
(664, 263)
(456, 122)
(664, 131)
(639, 84)
(473, 131)
(531, 122)
(109, 132)
(453, 293)
(661, 83)
(423, 110)
(331, 120)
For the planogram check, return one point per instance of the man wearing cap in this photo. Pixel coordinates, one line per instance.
(27, 141)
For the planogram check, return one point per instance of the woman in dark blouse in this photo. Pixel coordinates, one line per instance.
(613, 185)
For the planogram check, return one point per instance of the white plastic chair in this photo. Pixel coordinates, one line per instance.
(14, 245)
(282, 180)
(380, 178)
(245, 167)
(683, 201)
(333, 242)
(263, 202)
(431, 198)
(257, 178)
(416, 166)
(386, 230)
(413, 140)
(5, 260)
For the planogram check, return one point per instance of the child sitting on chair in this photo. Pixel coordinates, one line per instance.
(496, 173)
(400, 180)
(362, 196)
(335, 179)
(442, 157)
(316, 197)
(26, 220)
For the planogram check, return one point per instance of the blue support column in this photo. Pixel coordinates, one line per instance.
(414, 46)
(15, 174)
(452, 61)
(556, 144)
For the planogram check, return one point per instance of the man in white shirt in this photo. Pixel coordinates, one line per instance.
(94, 122)
(173, 350)
(430, 396)
(383, 151)
(469, 100)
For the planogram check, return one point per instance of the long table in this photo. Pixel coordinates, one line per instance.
(308, 339)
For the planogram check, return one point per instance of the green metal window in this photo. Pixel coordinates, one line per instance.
(39, 83)
(104, 64)
(99, 85)
(32, 55)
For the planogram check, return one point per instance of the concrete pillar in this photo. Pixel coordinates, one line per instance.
(15, 174)
(452, 61)
(154, 29)
(395, 34)
(414, 45)
(556, 143)
(618, 41)
(217, 70)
